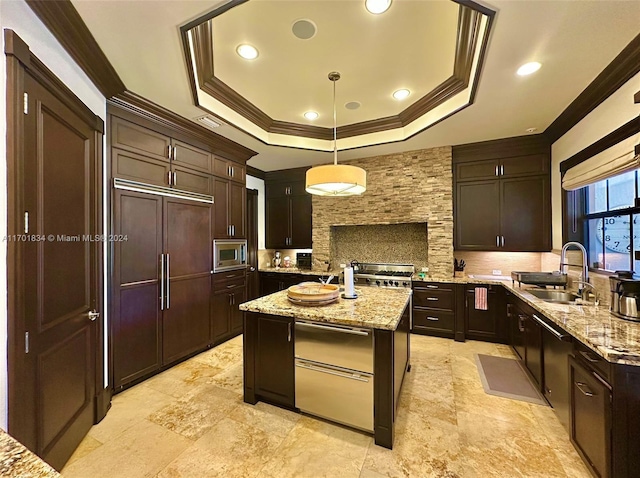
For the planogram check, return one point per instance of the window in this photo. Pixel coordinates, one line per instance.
(612, 218)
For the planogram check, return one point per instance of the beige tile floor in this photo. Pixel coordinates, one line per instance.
(190, 421)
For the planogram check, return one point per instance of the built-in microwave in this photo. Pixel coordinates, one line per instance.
(229, 254)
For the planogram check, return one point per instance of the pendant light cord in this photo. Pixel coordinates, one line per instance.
(335, 126)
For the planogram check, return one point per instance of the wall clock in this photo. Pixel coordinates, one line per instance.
(616, 232)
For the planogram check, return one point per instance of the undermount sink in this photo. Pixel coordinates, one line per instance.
(557, 296)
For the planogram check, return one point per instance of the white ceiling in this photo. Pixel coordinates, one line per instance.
(574, 40)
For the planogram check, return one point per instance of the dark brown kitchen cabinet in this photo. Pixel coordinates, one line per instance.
(533, 348)
(271, 282)
(288, 210)
(515, 319)
(229, 209)
(269, 359)
(485, 324)
(591, 408)
(143, 155)
(228, 292)
(226, 169)
(433, 309)
(161, 282)
(502, 196)
(557, 346)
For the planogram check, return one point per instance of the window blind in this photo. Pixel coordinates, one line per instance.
(618, 159)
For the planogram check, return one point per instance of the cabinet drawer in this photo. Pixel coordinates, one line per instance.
(422, 286)
(228, 285)
(225, 276)
(593, 360)
(433, 319)
(434, 299)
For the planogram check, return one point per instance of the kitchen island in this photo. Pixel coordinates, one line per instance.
(378, 317)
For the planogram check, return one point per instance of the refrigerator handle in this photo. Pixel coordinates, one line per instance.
(168, 279)
(161, 281)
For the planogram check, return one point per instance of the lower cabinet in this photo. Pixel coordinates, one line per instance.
(591, 407)
(556, 349)
(228, 292)
(271, 282)
(269, 359)
(433, 309)
(485, 324)
(515, 324)
(533, 348)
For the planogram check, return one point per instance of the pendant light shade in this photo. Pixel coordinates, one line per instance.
(336, 179)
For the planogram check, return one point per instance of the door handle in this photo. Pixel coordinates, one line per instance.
(175, 178)
(168, 281)
(497, 241)
(289, 332)
(161, 281)
(502, 241)
(233, 299)
(584, 388)
(432, 298)
(93, 315)
(435, 319)
(496, 170)
(502, 170)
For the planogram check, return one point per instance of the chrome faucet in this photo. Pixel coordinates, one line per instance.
(564, 264)
(584, 294)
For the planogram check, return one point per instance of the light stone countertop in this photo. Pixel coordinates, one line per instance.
(375, 308)
(17, 461)
(295, 270)
(615, 339)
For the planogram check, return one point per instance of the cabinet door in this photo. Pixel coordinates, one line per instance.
(591, 418)
(477, 215)
(138, 139)
(555, 353)
(238, 173)
(237, 206)
(475, 170)
(274, 359)
(189, 180)
(484, 324)
(136, 167)
(221, 208)
(269, 283)
(188, 247)
(220, 320)
(530, 165)
(525, 214)
(238, 296)
(301, 214)
(137, 329)
(516, 328)
(277, 219)
(188, 156)
(533, 349)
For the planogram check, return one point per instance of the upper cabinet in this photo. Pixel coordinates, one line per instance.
(288, 210)
(502, 195)
(229, 169)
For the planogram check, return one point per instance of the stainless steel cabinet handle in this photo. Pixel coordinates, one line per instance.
(334, 329)
(554, 332)
(231, 286)
(432, 286)
(289, 332)
(502, 241)
(169, 149)
(584, 388)
(229, 299)
(435, 319)
(432, 298)
(175, 153)
(169, 176)
(161, 281)
(233, 299)
(168, 281)
(502, 170)
(175, 178)
(93, 315)
(497, 241)
(496, 169)
(331, 372)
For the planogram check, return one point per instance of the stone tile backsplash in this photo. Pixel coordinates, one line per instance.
(408, 187)
(392, 243)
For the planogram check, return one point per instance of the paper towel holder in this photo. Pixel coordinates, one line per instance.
(355, 296)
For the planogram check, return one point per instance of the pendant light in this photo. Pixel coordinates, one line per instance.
(336, 179)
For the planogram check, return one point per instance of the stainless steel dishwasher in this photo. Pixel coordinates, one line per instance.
(334, 373)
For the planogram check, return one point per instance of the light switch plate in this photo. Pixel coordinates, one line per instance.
(496, 272)
(424, 269)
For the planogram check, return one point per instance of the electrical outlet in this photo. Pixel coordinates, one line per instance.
(496, 272)
(424, 269)
(342, 266)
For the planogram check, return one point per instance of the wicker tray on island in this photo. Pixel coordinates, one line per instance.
(313, 293)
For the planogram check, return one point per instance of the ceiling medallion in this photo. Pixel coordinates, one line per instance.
(336, 179)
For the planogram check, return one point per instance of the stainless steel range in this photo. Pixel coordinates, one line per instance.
(383, 275)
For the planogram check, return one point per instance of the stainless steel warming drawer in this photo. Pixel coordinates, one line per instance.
(334, 373)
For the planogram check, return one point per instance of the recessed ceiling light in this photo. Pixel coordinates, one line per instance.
(311, 115)
(528, 68)
(401, 94)
(304, 29)
(247, 52)
(352, 105)
(377, 6)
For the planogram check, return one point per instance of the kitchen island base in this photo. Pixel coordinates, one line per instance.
(269, 367)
